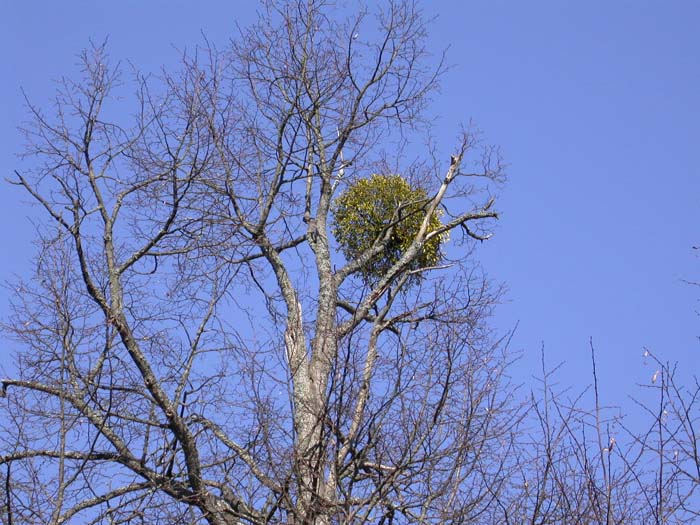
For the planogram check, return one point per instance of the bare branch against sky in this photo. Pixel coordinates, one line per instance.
(193, 347)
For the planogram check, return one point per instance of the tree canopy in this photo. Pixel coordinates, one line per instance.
(193, 346)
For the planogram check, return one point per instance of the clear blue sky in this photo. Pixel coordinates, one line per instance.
(595, 104)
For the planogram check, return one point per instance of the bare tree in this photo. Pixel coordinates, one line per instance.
(587, 463)
(192, 346)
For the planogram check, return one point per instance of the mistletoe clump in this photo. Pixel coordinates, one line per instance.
(371, 208)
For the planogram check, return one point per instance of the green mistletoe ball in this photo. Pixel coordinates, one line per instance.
(366, 211)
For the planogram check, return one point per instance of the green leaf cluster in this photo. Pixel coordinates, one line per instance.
(367, 210)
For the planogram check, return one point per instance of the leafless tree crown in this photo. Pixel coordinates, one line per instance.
(192, 347)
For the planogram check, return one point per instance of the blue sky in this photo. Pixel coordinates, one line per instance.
(595, 105)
